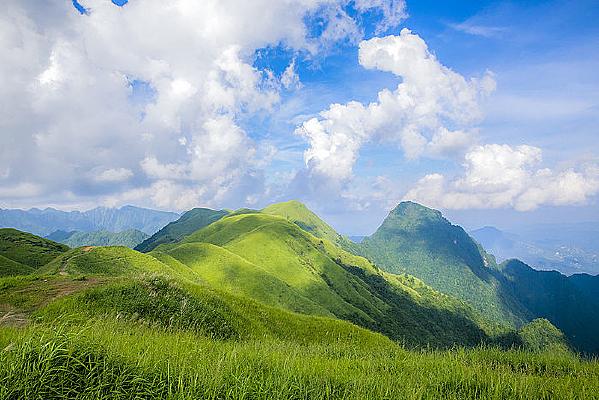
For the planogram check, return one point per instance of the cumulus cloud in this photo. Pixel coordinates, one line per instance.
(66, 82)
(497, 176)
(430, 112)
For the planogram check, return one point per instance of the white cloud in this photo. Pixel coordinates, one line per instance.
(290, 79)
(114, 175)
(394, 11)
(479, 30)
(497, 176)
(65, 87)
(428, 112)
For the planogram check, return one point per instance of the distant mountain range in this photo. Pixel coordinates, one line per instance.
(49, 220)
(567, 248)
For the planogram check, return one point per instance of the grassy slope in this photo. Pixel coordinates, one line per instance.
(25, 249)
(300, 215)
(9, 267)
(126, 360)
(189, 222)
(317, 271)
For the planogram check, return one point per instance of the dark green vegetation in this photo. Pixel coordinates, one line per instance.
(553, 296)
(261, 305)
(129, 238)
(44, 222)
(189, 222)
(417, 240)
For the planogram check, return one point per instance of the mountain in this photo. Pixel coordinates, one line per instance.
(545, 249)
(558, 298)
(44, 222)
(419, 241)
(188, 223)
(271, 311)
(129, 238)
(23, 253)
(271, 259)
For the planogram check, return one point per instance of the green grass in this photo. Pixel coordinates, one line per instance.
(299, 214)
(25, 250)
(125, 360)
(189, 222)
(9, 267)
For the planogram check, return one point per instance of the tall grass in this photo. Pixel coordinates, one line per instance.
(112, 359)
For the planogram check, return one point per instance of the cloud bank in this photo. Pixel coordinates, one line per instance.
(497, 176)
(74, 126)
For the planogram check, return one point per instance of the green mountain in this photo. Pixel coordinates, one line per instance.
(300, 215)
(188, 223)
(556, 297)
(129, 238)
(417, 240)
(22, 253)
(272, 260)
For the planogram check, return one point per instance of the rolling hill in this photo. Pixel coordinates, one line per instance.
(188, 223)
(22, 253)
(307, 273)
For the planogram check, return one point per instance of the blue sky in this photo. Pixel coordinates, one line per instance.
(178, 104)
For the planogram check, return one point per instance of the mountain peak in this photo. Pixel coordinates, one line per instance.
(409, 215)
(410, 208)
(305, 218)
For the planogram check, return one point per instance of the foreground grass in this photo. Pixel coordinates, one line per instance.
(123, 359)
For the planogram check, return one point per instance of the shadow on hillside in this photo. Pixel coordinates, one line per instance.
(411, 322)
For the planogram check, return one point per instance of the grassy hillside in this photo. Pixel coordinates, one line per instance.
(22, 252)
(110, 322)
(129, 238)
(300, 215)
(189, 222)
(9, 267)
(304, 271)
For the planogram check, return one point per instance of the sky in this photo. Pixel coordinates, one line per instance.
(486, 110)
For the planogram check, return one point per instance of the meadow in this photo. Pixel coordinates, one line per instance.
(126, 360)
